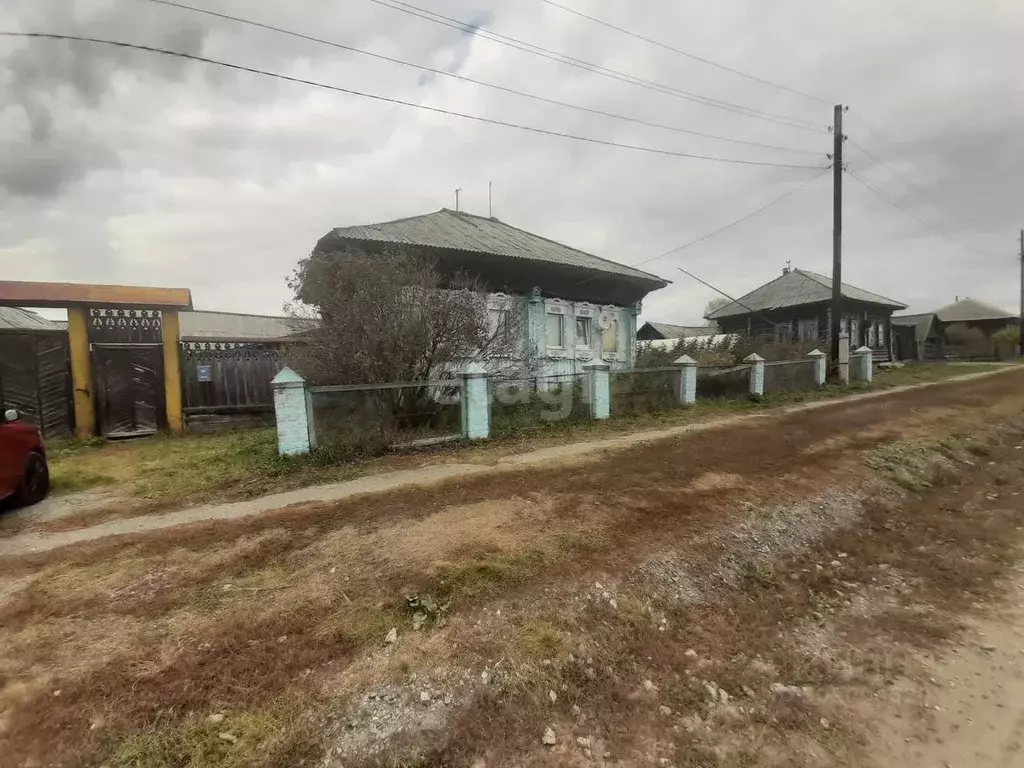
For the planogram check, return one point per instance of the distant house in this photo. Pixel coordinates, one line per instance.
(796, 306)
(579, 307)
(975, 314)
(927, 336)
(658, 331)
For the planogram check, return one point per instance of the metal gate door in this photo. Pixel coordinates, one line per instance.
(129, 389)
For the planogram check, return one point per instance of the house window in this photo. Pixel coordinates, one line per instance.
(556, 330)
(783, 333)
(584, 331)
(610, 336)
(808, 330)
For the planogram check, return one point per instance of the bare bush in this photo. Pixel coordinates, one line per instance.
(393, 317)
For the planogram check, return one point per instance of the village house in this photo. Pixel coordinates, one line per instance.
(927, 336)
(577, 307)
(796, 307)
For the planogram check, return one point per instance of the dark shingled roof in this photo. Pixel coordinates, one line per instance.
(968, 309)
(794, 288)
(479, 234)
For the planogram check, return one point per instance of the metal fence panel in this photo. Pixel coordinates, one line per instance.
(368, 418)
(789, 375)
(532, 401)
(719, 381)
(644, 390)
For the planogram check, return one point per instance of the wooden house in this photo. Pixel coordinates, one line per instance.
(796, 307)
(579, 307)
(975, 314)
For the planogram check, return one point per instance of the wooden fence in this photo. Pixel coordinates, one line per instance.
(227, 384)
(35, 379)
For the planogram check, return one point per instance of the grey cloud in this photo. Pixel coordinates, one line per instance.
(220, 181)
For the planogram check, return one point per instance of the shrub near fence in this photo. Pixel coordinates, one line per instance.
(790, 375)
(355, 419)
(644, 390)
(527, 403)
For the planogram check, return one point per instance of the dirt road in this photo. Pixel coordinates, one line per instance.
(967, 710)
(427, 475)
(772, 592)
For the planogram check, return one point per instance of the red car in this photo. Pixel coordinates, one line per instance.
(24, 475)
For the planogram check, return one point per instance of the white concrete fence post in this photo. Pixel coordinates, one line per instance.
(293, 412)
(863, 362)
(820, 364)
(686, 393)
(844, 358)
(756, 374)
(476, 403)
(599, 394)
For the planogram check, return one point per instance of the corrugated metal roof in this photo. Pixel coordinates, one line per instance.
(794, 288)
(478, 234)
(968, 309)
(229, 326)
(669, 331)
(18, 319)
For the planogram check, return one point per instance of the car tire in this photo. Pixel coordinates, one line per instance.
(35, 483)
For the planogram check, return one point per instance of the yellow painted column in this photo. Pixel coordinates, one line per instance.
(172, 373)
(81, 372)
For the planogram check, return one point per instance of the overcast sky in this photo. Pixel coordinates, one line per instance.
(125, 167)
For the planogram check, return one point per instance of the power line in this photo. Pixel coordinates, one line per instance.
(463, 78)
(919, 220)
(740, 220)
(688, 55)
(392, 100)
(730, 298)
(437, 18)
(907, 180)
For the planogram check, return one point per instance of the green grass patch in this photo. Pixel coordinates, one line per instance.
(261, 738)
(918, 373)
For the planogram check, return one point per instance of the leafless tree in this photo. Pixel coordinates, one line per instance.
(393, 317)
(715, 304)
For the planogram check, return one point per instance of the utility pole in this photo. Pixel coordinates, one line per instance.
(1021, 327)
(837, 230)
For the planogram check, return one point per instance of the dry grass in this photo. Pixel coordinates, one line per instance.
(142, 636)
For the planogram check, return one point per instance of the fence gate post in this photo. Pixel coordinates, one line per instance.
(599, 389)
(844, 358)
(862, 364)
(756, 373)
(476, 403)
(293, 412)
(820, 364)
(686, 393)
